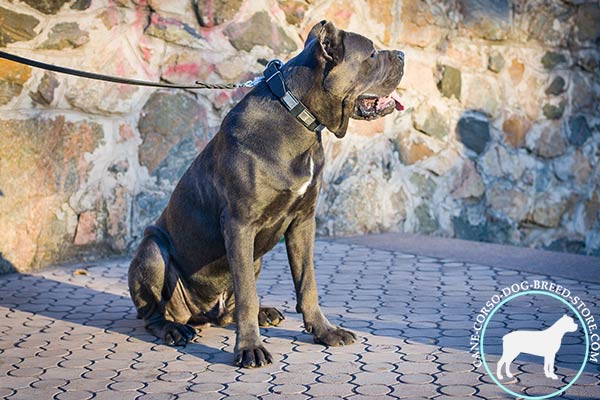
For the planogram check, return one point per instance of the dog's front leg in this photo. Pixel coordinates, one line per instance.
(239, 244)
(299, 241)
(549, 366)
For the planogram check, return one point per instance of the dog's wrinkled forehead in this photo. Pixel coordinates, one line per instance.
(372, 70)
(357, 46)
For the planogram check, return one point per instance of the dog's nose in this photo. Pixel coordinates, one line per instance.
(400, 55)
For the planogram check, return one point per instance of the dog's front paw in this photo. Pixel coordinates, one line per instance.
(251, 357)
(269, 316)
(175, 334)
(331, 335)
(552, 376)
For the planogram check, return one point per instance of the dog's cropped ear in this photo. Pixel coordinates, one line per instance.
(330, 43)
(314, 32)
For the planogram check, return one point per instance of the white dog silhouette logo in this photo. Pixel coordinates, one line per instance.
(539, 343)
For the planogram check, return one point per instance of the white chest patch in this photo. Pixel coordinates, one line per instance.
(302, 189)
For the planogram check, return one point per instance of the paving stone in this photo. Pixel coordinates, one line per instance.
(413, 391)
(26, 372)
(255, 377)
(335, 378)
(458, 390)
(82, 384)
(222, 363)
(378, 367)
(413, 368)
(110, 364)
(342, 357)
(326, 397)
(32, 343)
(126, 386)
(22, 353)
(159, 387)
(339, 367)
(176, 376)
(205, 396)
(123, 355)
(31, 393)
(275, 396)
(380, 357)
(185, 363)
(99, 345)
(288, 389)
(490, 391)
(457, 367)
(373, 390)
(330, 389)
(112, 395)
(75, 395)
(55, 353)
(206, 387)
(300, 368)
(238, 388)
(299, 379)
(100, 374)
(416, 378)
(304, 357)
(212, 377)
(157, 396)
(49, 383)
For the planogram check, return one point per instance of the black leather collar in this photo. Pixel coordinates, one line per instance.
(274, 80)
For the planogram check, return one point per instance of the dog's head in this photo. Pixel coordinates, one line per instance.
(568, 323)
(359, 78)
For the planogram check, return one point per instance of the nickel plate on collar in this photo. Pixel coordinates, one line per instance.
(289, 100)
(306, 117)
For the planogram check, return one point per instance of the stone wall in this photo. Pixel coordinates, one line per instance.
(499, 141)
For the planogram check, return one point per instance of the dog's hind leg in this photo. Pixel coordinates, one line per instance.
(509, 353)
(267, 316)
(501, 362)
(504, 361)
(147, 279)
(509, 359)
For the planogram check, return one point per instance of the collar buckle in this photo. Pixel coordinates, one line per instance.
(275, 82)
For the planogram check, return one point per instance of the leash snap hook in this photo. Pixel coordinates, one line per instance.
(253, 82)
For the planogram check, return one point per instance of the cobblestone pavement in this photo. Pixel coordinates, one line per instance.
(70, 336)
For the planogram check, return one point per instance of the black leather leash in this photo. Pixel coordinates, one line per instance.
(115, 79)
(272, 76)
(274, 79)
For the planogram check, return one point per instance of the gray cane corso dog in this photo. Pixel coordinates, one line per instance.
(256, 181)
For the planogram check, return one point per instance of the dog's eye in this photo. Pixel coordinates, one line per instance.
(374, 54)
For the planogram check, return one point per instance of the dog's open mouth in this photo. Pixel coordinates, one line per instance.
(371, 107)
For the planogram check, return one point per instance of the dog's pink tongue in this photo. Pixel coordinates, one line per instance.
(396, 99)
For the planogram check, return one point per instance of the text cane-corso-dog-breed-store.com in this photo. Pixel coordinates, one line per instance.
(255, 182)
